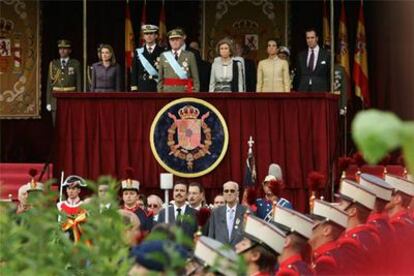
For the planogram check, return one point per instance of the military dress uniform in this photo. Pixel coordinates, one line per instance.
(63, 76)
(403, 223)
(181, 78)
(72, 209)
(146, 218)
(300, 225)
(143, 78)
(294, 266)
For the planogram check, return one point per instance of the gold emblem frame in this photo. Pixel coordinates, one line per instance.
(225, 143)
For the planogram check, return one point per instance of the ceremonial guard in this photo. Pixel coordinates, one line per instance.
(298, 230)
(378, 218)
(130, 189)
(64, 74)
(144, 75)
(272, 188)
(330, 257)
(25, 191)
(358, 202)
(71, 207)
(403, 223)
(177, 68)
(261, 245)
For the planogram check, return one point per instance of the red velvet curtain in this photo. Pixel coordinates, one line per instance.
(105, 133)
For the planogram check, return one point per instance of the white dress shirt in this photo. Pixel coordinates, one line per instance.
(315, 53)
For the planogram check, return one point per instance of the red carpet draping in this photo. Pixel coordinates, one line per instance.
(103, 133)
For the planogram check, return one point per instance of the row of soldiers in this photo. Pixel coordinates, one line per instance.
(369, 230)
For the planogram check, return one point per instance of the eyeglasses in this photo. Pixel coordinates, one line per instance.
(152, 205)
(232, 191)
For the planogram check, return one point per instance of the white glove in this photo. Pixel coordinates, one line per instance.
(49, 107)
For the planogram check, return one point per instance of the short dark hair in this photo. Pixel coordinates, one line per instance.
(196, 184)
(312, 29)
(267, 261)
(180, 182)
(362, 211)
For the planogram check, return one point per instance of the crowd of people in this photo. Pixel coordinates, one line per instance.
(180, 68)
(368, 230)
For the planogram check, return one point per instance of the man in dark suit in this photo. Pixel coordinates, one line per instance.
(145, 64)
(179, 213)
(226, 222)
(313, 66)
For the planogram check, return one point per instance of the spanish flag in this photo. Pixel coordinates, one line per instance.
(163, 29)
(326, 31)
(361, 61)
(129, 38)
(344, 46)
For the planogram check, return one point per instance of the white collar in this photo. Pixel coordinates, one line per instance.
(152, 47)
(74, 202)
(182, 208)
(315, 50)
(64, 59)
(228, 208)
(178, 51)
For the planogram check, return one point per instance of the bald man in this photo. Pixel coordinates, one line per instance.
(226, 222)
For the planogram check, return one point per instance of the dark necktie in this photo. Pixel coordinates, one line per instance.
(178, 220)
(311, 60)
(63, 63)
(150, 50)
(176, 55)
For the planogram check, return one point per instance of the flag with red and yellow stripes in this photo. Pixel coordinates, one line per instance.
(360, 70)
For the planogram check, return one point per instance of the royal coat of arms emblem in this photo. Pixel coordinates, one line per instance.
(189, 137)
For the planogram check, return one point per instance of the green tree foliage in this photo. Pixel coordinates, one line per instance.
(376, 133)
(34, 244)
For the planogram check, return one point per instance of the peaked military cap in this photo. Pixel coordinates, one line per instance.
(149, 29)
(175, 33)
(63, 43)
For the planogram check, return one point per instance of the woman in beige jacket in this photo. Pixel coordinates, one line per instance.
(273, 73)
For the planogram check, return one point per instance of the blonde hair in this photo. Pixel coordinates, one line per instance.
(227, 41)
(111, 50)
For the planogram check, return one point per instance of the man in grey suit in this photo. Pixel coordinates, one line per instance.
(179, 213)
(226, 222)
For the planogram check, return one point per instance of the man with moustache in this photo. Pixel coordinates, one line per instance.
(179, 213)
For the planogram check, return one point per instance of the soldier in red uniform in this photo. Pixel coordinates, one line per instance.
(261, 245)
(358, 202)
(299, 230)
(130, 188)
(71, 208)
(379, 219)
(329, 257)
(403, 223)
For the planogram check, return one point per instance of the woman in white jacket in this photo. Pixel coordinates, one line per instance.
(227, 74)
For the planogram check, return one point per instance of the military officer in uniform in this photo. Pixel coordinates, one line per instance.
(177, 68)
(64, 75)
(298, 230)
(144, 73)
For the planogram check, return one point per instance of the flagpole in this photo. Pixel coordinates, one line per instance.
(332, 85)
(85, 43)
(286, 23)
(204, 31)
(332, 45)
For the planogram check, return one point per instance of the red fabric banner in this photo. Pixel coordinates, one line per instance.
(104, 133)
